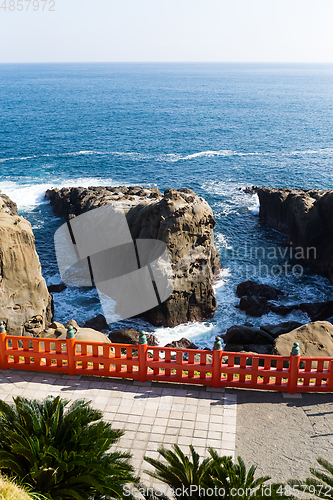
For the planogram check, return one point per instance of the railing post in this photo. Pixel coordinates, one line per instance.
(3, 357)
(70, 342)
(217, 358)
(293, 368)
(142, 354)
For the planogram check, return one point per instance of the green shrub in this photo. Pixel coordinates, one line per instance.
(321, 485)
(62, 451)
(216, 473)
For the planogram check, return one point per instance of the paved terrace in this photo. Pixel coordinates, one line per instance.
(151, 414)
(281, 434)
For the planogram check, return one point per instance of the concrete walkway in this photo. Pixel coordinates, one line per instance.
(151, 414)
(281, 435)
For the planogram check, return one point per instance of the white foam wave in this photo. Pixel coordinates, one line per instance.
(19, 158)
(201, 334)
(24, 195)
(254, 204)
(233, 198)
(222, 241)
(27, 195)
(172, 157)
(209, 154)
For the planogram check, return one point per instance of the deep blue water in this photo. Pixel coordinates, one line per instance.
(210, 127)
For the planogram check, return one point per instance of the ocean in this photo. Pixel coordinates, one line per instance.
(213, 128)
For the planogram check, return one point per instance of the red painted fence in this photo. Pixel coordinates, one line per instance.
(142, 362)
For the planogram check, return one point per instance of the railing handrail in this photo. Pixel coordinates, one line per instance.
(253, 370)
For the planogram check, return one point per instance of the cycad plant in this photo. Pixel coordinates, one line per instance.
(180, 472)
(233, 479)
(239, 484)
(62, 451)
(321, 484)
(216, 477)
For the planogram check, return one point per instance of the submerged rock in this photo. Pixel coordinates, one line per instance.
(181, 219)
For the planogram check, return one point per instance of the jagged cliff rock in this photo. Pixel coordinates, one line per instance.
(182, 220)
(25, 303)
(306, 216)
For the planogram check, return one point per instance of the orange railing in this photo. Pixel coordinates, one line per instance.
(142, 362)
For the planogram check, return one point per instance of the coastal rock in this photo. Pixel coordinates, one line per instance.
(241, 334)
(315, 339)
(255, 300)
(317, 311)
(34, 326)
(253, 289)
(48, 333)
(7, 206)
(25, 303)
(281, 328)
(88, 335)
(55, 324)
(249, 348)
(57, 288)
(74, 324)
(181, 219)
(98, 323)
(182, 344)
(306, 216)
(131, 337)
(255, 297)
(254, 306)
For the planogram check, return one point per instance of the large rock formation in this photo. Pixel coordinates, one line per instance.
(25, 303)
(315, 339)
(182, 220)
(306, 216)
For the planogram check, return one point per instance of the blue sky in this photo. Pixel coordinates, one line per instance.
(168, 30)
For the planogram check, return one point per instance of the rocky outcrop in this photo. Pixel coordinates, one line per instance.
(87, 335)
(241, 334)
(254, 297)
(253, 289)
(281, 328)
(98, 323)
(306, 216)
(7, 206)
(256, 300)
(130, 337)
(247, 338)
(182, 220)
(315, 339)
(182, 344)
(25, 303)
